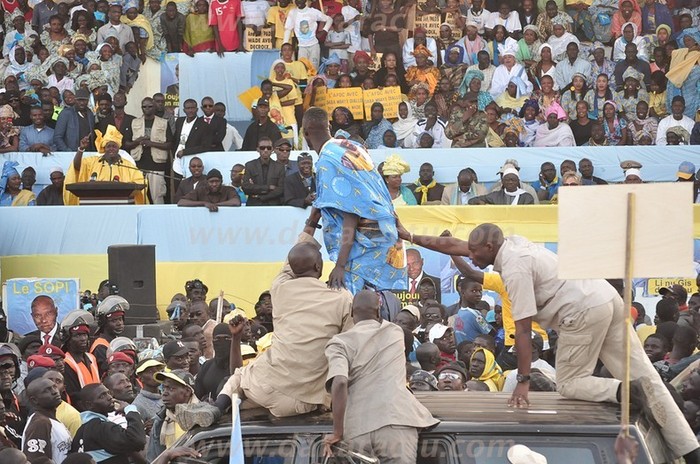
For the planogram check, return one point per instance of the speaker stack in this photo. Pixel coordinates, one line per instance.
(133, 269)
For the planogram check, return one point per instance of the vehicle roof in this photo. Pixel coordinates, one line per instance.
(472, 412)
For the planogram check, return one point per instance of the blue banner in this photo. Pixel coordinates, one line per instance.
(19, 293)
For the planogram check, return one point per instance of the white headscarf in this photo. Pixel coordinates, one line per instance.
(404, 126)
(519, 191)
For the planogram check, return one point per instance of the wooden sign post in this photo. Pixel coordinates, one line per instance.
(623, 231)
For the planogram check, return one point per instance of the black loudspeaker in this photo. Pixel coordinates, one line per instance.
(132, 268)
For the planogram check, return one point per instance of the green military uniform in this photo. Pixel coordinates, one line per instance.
(461, 132)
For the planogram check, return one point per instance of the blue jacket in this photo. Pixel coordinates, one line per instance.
(66, 134)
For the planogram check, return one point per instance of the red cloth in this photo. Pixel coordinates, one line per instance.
(225, 15)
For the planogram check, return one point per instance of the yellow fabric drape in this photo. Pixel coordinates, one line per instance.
(682, 62)
(23, 198)
(142, 22)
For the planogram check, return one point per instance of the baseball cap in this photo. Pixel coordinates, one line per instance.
(147, 364)
(236, 312)
(282, 141)
(437, 331)
(120, 357)
(262, 101)
(421, 376)
(521, 454)
(36, 360)
(174, 348)
(50, 350)
(413, 309)
(180, 376)
(675, 289)
(686, 170)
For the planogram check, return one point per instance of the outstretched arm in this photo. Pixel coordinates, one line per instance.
(463, 267)
(446, 245)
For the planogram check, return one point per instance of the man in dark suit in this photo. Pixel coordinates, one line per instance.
(261, 127)
(196, 181)
(414, 262)
(217, 124)
(44, 314)
(192, 134)
(118, 118)
(263, 180)
(300, 187)
(74, 123)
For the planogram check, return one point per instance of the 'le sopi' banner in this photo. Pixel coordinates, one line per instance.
(18, 294)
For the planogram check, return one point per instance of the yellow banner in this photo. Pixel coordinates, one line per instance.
(654, 285)
(263, 41)
(389, 97)
(351, 98)
(431, 24)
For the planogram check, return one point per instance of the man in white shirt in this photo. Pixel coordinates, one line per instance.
(255, 13)
(44, 314)
(565, 69)
(303, 21)
(115, 27)
(478, 15)
(44, 436)
(503, 17)
(232, 140)
(537, 363)
(676, 118)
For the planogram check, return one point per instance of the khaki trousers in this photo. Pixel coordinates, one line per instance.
(391, 444)
(255, 393)
(156, 186)
(597, 332)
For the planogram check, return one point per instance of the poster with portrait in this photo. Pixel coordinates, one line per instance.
(18, 294)
(170, 82)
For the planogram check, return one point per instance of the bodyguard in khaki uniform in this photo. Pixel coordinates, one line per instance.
(373, 411)
(588, 315)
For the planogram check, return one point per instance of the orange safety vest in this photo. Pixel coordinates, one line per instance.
(99, 342)
(86, 375)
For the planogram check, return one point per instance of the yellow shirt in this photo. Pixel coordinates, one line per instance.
(68, 416)
(126, 171)
(277, 17)
(493, 282)
(658, 102)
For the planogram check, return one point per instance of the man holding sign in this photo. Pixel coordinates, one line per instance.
(590, 318)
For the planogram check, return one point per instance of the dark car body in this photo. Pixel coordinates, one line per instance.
(475, 428)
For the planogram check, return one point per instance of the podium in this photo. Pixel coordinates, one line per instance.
(105, 192)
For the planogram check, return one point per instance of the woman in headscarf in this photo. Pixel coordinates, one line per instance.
(601, 12)
(628, 12)
(389, 66)
(600, 64)
(361, 61)
(554, 133)
(55, 36)
(405, 124)
(507, 71)
(545, 67)
(422, 72)
(633, 92)
(528, 115)
(642, 125)
(598, 95)
(444, 97)
(108, 62)
(677, 135)
(286, 93)
(547, 95)
(454, 68)
(58, 77)
(513, 98)
(343, 119)
(103, 168)
(528, 53)
(500, 43)
(18, 66)
(472, 83)
(75, 69)
(9, 133)
(199, 35)
(615, 125)
(471, 44)
(483, 367)
(573, 93)
(630, 35)
(330, 67)
(663, 36)
(373, 130)
(684, 74)
(392, 170)
(417, 98)
(655, 14)
(560, 39)
(11, 191)
(152, 12)
(443, 42)
(496, 127)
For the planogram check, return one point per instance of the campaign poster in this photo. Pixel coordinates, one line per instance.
(170, 82)
(18, 294)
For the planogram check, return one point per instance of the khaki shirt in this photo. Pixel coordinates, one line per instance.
(306, 314)
(371, 356)
(529, 272)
